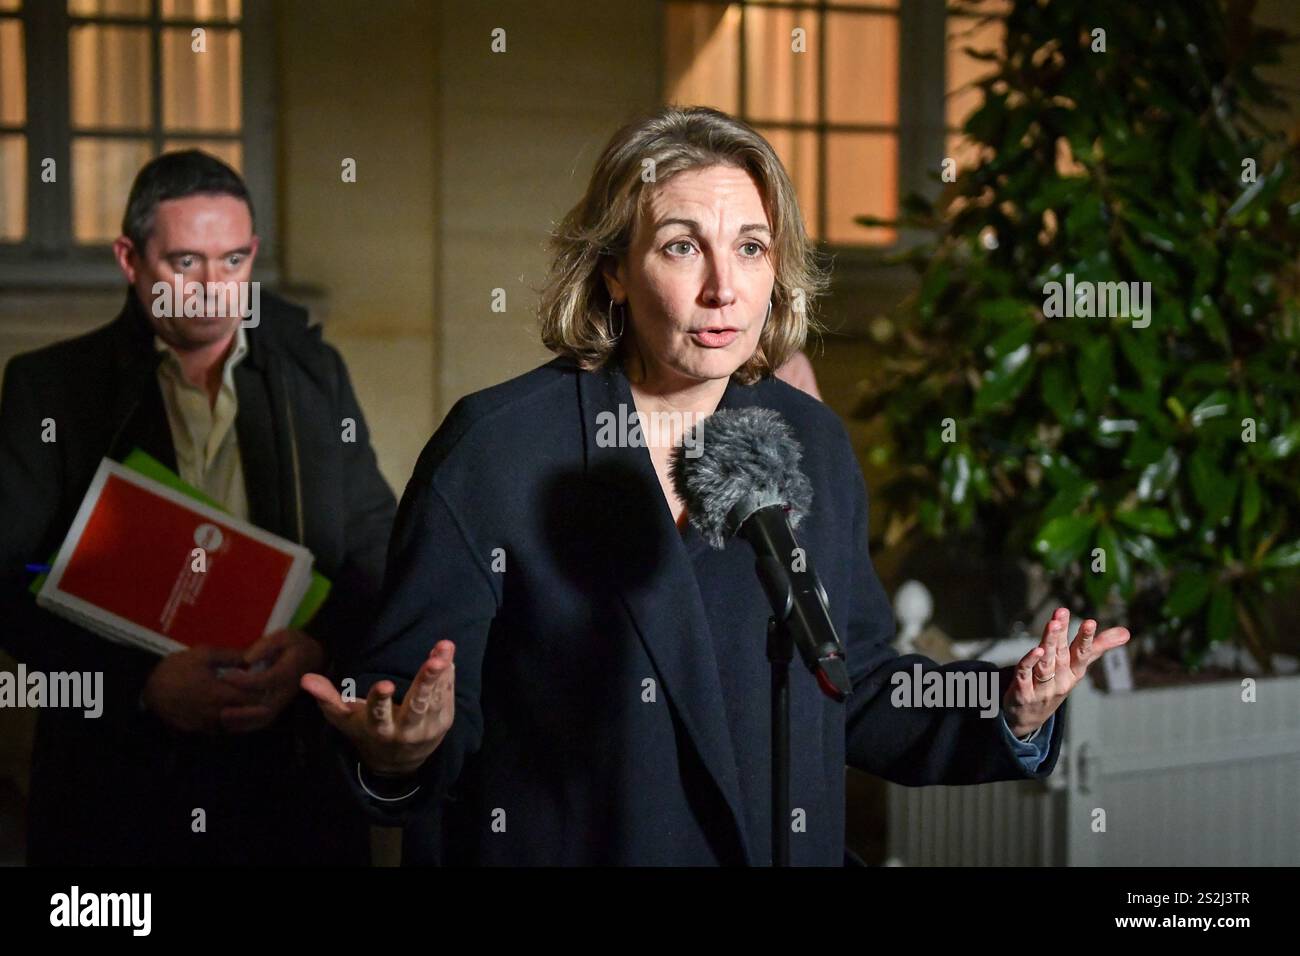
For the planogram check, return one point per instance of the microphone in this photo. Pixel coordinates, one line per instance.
(744, 478)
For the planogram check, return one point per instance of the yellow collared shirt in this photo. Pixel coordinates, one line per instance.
(207, 446)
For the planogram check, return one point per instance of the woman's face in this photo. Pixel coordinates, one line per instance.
(698, 276)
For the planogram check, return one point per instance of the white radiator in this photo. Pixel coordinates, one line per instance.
(1186, 776)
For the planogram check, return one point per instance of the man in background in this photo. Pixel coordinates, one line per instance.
(205, 755)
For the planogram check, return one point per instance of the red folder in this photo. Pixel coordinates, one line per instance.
(147, 565)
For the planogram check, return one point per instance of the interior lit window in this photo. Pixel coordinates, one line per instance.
(819, 80)
(824, 82)
(132, 78)
(13, 124)
(146, 76)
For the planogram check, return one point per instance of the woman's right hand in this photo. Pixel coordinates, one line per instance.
(396, 743)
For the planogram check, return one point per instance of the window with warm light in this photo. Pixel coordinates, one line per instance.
(118, 82)
(819, 80)
(862, 99)
(13, 124)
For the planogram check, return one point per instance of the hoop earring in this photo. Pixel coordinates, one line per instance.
(769, 311)
(622, 320)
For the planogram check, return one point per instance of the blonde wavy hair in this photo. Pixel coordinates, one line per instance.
(575, 302)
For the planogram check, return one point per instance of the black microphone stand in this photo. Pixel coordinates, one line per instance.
(791, 620)
(780, 651)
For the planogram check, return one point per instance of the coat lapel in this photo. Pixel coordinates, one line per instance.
(137, 413)
(259, 453)
(656, 580)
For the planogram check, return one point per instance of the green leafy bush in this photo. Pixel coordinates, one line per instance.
(1145, 459)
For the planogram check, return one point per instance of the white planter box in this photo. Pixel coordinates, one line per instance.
(1186, 776)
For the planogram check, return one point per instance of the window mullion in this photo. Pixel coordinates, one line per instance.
(49, 204)
(823, 188)
(155, 75)
(921, 32)
(742, 98)
(258, 131)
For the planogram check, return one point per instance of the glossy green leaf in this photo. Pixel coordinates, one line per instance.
(1149, 266)
(1219, 617)
(1190, 590)
(1250, 501)
(1206, 313)
(1143, 548)
(1006, 311)
(1284, 444)
(1214, 405)
(1212, 487)
(1156, 478)
(1097, 586)
(1153, 521)
(1096, 372)
(1117, 562)
(1063, 539)
(956, 475)
(1005, 380)
(1285, 556)
(1141, 352)
(1058, 391)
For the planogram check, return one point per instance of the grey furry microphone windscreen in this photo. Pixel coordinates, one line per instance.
(749, 460)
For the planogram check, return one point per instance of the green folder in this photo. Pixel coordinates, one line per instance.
(145, 464)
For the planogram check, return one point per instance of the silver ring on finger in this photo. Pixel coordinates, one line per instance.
(1044, 680)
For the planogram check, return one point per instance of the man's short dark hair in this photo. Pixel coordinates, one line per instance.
(175, 175)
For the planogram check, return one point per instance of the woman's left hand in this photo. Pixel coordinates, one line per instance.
(1047, 674)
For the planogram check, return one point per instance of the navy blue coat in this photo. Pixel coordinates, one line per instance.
(611, 678)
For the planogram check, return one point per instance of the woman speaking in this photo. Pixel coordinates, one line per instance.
(564, 670)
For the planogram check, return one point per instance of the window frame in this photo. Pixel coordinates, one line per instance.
(48, 256)
(921, 128)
